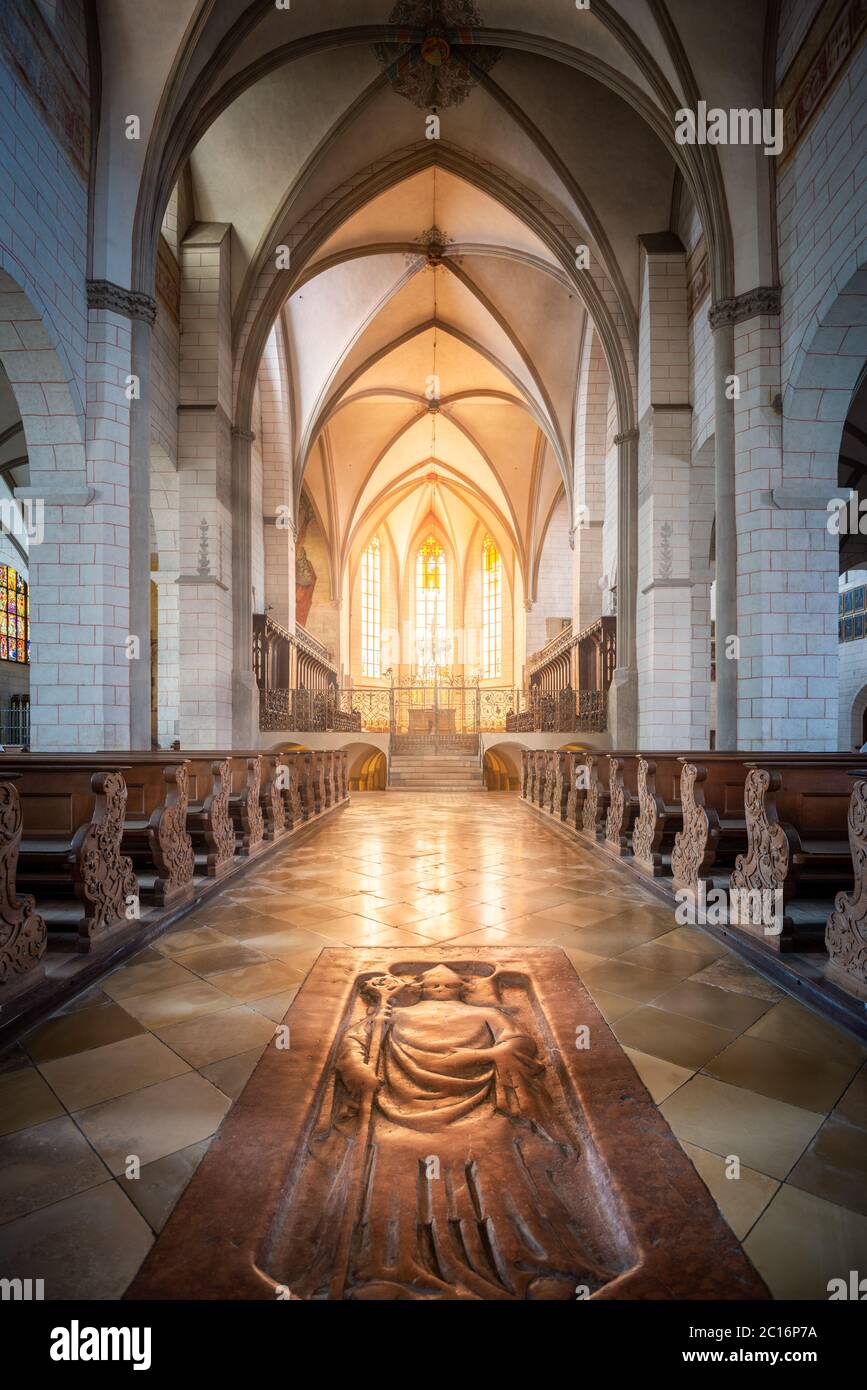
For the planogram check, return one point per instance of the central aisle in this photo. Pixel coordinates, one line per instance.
(148, 1062)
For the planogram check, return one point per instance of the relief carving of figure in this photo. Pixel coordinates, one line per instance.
(444, 1166)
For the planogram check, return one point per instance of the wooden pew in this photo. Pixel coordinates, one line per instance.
(209, 821)
(797, 812)
(245, 805)
(562, 785)
(290, 764)
(714, 830)
(327, 779)
(596, 797)
(659, 813)
(623, 802)
(23, 933)
(251, 791)
(846, 928)
(154, 835)
(70, 854)
(306, 787)
(272, 799)
(155, 832)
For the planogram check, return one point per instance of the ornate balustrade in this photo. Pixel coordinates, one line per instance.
(552, 705)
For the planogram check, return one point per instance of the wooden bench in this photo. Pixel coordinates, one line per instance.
(846, 929)
(596, 796)
(797, 815)
(23, 933)
(714, 830)
(623, 803)
(659, 813)
(209, 820)
(70, 855)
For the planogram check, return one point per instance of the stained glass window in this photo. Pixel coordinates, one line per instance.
(14, 616)
(492, 611)
(371, 610)
(433, 649)
(852, 601)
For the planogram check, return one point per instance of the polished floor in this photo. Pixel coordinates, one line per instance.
(106, 1110)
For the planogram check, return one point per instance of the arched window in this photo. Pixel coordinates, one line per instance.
(371, 611)
(432, 646)
(492, 611)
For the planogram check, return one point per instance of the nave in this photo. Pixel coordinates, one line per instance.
(148, 1062)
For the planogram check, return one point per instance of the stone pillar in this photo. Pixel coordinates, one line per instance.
(726, 545)
(788, 556)
(623, 696)
(205, 465)
(245, 694)
(139, 536)
(674, 697)
(589, 491)
(277, 489)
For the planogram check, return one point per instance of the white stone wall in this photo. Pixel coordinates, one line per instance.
(43, 226)
(787, 466)
(822, 196)
(554, 588)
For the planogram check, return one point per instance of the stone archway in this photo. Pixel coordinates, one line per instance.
(856, 722)
(65, 628)
(827, 368)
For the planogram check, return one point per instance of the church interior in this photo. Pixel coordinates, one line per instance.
(433, 719)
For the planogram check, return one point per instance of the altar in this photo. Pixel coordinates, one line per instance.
(432, 721)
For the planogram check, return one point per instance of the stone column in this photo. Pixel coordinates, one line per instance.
(139, 535)
(277, 489)
(788, 556)
(726, 565)
(245, 694)
(674, 689)
(591, 428)
(623, 696)
(207, 499)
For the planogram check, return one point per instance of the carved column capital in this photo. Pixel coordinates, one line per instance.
(132, 304)
(766, 299)
(626, 437)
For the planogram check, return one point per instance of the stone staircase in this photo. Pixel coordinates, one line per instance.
(430, 764)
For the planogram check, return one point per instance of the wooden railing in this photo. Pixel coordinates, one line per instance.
(552, 705)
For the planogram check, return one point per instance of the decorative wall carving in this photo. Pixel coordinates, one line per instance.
(132, 304)
(829, 46)
(766, 300)
(49, 80)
